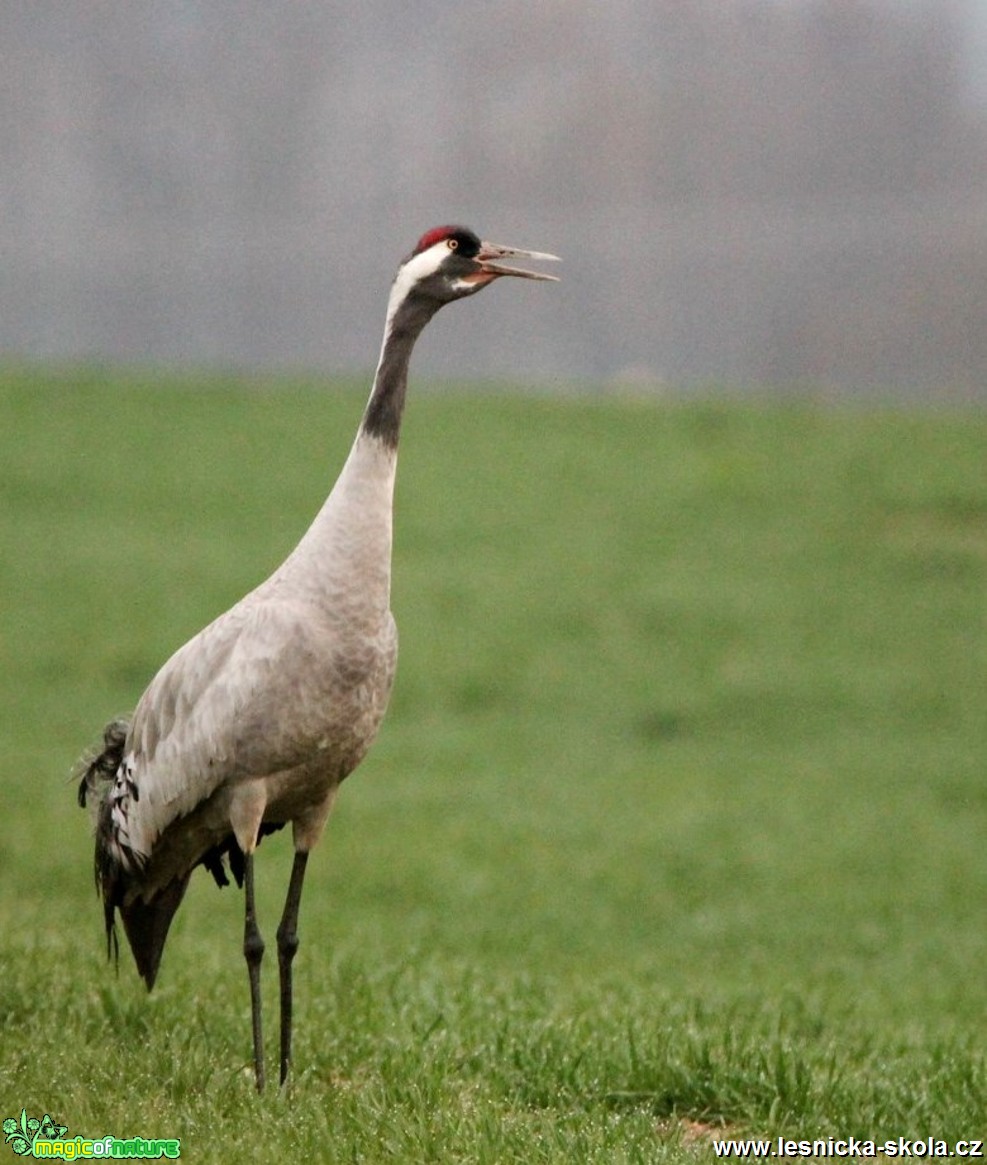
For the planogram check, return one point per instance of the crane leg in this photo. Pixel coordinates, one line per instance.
(253, 951)
(287, 946)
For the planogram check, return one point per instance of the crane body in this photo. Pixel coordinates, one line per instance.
(256, 720)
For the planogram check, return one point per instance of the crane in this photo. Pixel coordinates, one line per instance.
(257, 719)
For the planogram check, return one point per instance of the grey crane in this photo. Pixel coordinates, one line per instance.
(257, 720)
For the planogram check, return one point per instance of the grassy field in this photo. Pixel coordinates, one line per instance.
(677, 823)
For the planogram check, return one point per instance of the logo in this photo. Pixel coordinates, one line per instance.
(31, 1137)
(21, 1134)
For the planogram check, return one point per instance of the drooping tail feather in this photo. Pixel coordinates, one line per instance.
(118, 869)
(99, 772)
(117, 881)
(102, 765)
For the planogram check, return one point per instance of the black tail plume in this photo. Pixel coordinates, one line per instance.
(146, 925)
(119, 870)
(102, 765)
(99, 770)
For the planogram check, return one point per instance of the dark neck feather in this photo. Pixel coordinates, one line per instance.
(382, 418)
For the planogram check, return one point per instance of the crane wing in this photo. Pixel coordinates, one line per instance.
(180, 744)
(264, 689)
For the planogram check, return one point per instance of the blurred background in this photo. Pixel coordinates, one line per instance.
(746, 192)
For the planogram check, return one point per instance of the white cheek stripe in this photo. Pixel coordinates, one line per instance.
(416, 269)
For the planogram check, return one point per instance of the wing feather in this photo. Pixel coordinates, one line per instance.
(266, 688)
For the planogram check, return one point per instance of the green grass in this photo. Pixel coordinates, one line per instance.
(678, 814)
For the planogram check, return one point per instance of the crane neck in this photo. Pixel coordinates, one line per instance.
(350, 537)
(407, 315)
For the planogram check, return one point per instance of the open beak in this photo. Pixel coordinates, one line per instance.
(490, 270)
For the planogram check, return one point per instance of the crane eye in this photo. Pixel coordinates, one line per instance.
(452, 244)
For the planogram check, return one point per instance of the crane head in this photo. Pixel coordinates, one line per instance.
(449, 262)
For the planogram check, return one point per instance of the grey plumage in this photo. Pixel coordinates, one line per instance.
(256, 721)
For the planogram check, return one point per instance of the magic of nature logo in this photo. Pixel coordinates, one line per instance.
(45, 1137)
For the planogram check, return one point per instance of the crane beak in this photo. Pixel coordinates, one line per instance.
(489, 270)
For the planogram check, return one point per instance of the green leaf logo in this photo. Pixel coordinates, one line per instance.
(21, 1134)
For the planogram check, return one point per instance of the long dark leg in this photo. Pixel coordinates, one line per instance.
(287, 946)
(253, 951)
